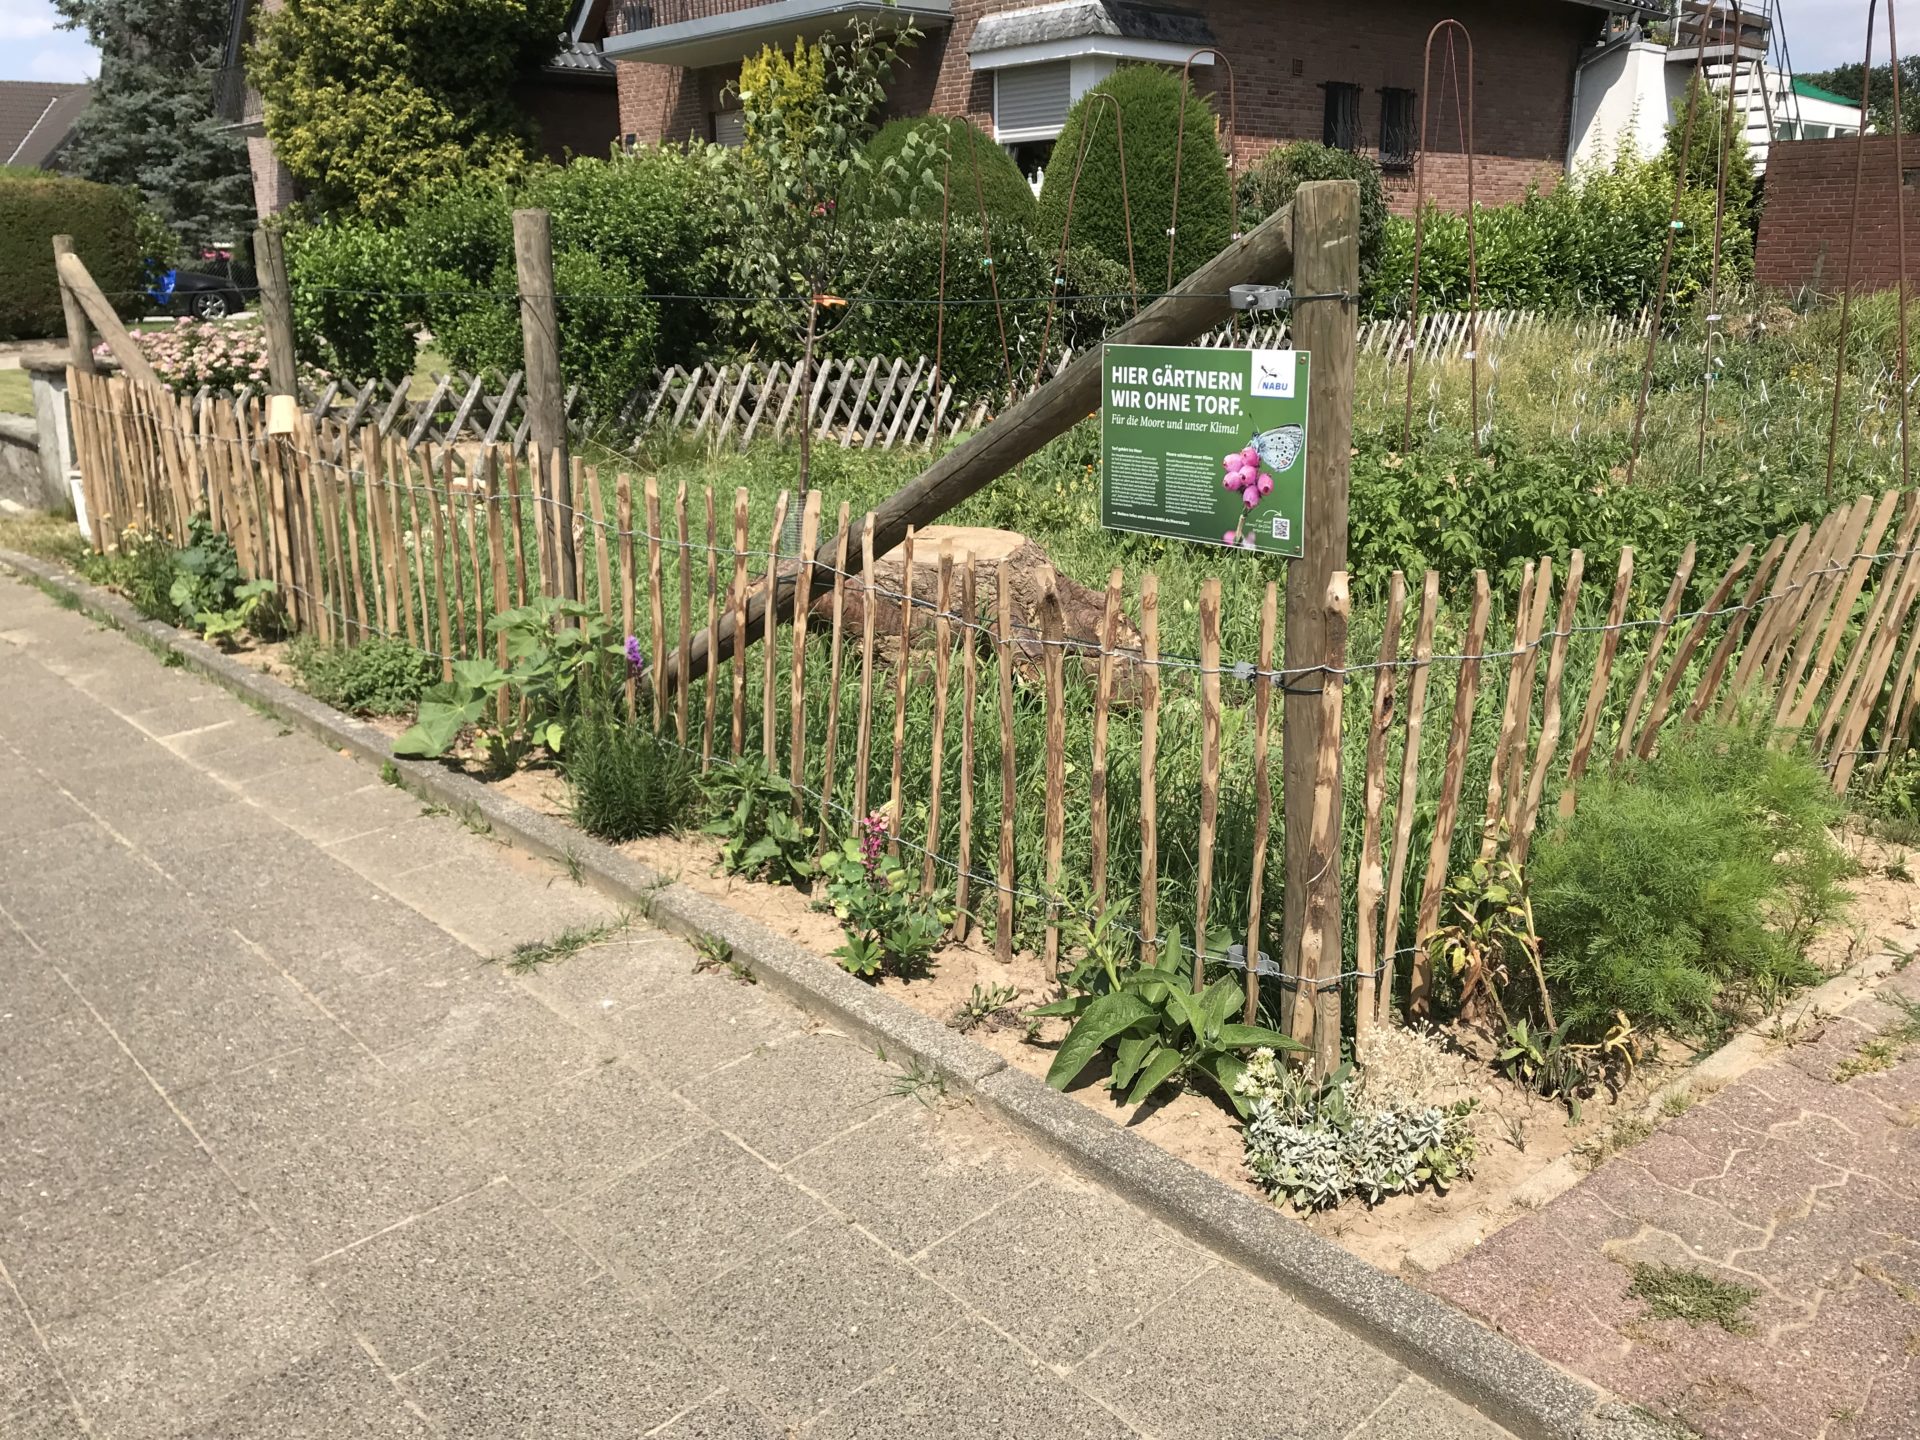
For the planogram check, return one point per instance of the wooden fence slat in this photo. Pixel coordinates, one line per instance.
(769, 700)
(1371, 879)
(437, 528)
(1149, 757)
(518, 549)
(1509, 711)
(1808, 586)
(1522, 837)
(740, 621)
(1844, 753)
(1517, 752)
(1003, 653)
(942, 672)
(1262, 790)
(863, 723)
(1209, 769)
(476, 498)
(602, 561)
(1677, 667)
(1848, 592)
(797, 694)
(1723, 653)
(1899, 709)
(1884, 594)
(1466, 687)
(1053, 636)
(1602, 673)
(835, 669)
(422, 597)
(685, 646)
(623, 498)
(456, 561)
(1408, 802)
(969, 699)
(903, 665)
(1669, 608)
(1102, 705)
(711, 685)
(1320, 954)
(497, 554)
(1772, 613)
(656, 613)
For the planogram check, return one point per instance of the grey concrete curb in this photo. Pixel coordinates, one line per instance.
(1507, 1382)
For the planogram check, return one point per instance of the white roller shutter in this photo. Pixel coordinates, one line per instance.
(1031, 101)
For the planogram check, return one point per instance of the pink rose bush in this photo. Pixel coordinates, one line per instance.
(219, 355)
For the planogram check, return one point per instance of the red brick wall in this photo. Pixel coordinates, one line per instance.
(1810, 209)
(1523, 81)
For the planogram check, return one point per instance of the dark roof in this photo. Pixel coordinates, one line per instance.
(579, 57)
(1077, 19)
(35, 116)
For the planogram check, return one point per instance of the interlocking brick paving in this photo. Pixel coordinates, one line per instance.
(1797, 1184)
(283, 1158)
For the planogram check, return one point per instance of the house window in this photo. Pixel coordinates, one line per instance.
(1030, 102)
(729, 128)
(1340, 128)
(1397, 136)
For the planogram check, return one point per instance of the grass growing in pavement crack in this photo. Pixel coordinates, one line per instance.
(530, 955)
(1672, 1292)
(1883, 1051)
(919, 1082)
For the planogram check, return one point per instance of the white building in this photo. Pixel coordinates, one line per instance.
(1626, 90)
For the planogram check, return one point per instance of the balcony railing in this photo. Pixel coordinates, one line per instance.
(634, 15)
(234, 100)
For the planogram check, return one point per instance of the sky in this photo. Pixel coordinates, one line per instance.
(1822, 34)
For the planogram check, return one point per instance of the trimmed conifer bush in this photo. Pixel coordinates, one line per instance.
(1151, 105)
(1270, 181)
(1009, 199)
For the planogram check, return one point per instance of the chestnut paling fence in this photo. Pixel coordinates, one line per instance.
(1041, 749)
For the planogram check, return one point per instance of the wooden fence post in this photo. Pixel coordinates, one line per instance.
(276, 309)
(1326, 274)
(79, 339)
(546, 408)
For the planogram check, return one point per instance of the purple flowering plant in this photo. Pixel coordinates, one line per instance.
(891, 928)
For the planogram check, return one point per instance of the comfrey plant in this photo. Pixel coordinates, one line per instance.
(890, 928)
(1313, 1145)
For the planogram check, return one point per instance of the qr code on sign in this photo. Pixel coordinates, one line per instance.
(1282, 528)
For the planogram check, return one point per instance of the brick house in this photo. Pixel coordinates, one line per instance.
(1347, 75)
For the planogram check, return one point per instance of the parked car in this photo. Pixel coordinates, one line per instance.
(208, 297)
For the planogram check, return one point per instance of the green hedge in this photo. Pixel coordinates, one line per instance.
(1592, 243)
(1151, 104)
(1269, 183)
(104, 223)
(1008, 197)
(897, 321)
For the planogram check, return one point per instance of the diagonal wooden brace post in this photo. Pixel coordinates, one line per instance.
(1263, 255)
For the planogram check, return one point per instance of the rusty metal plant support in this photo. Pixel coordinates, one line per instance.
(1900, 240)
(1066, 225)
(1719, 229)
(1853, 237)
(1179, 149)
(1463, 118)
(986, 243)
(1666, 253)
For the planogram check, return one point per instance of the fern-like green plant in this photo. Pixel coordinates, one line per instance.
(1706, 866)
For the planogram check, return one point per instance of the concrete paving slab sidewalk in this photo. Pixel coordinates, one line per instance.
(1798, 1183)
(283, 1155)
